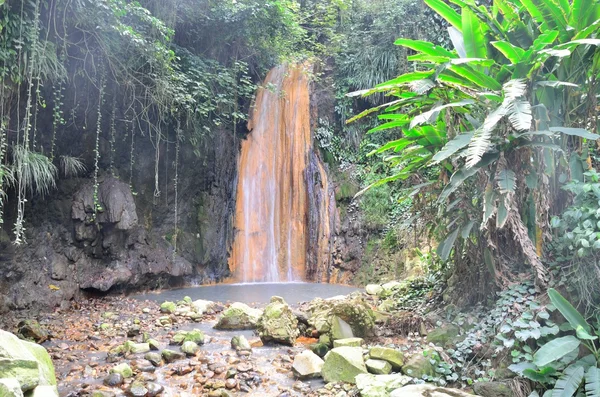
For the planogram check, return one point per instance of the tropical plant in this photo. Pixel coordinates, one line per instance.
(575, 247)
(498, 114)
(557, 364)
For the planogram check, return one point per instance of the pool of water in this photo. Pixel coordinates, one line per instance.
(255, 293)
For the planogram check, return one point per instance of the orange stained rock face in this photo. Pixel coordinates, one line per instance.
(270, 243)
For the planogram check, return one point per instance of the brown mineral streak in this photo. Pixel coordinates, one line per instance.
(271, 206)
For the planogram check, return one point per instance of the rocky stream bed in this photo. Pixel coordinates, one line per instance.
(116, 346)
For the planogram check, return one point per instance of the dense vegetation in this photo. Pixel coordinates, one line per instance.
(480, 164)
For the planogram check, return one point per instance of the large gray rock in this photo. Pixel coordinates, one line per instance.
(493, 389)
(340, 329)
(114, 198)
(378, 366)
(278, 323)
(10, 388)
(27, 362)
(417, 366)
(426, 390)
(202, 306)
(380, 385)
(352, 310)
(239, 316)
(343, 364)
(307, 365)
(393, 356)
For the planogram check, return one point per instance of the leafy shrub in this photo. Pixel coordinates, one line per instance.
(576, 245)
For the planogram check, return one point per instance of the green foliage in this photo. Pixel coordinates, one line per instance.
(557, 364)
(575, 246)
(483, 115)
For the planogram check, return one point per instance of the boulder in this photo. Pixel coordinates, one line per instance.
(443, 336)
(426, 390)
(10, 388)
(352, 342)
(136, 348)
(417, 366)
(371, 385)
(373, 289)
(307, 365)
(340, 329)
(493, 389)
(320, 349)
(393, 356)
(343, 364)
(167, 307)
(31, 330)
(122, 369)
(170, 355)
(202, 306)
(190, 348)
(27, 362)
(194, 335)
(378, 366)
(240, 343)
(353, 310)
(239, 316)
(278, 323)
(137, 389)
(154, 357)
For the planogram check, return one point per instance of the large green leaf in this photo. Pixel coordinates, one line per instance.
(460, 141)
(446, 12)
(445, 247)
(580, 132)
(569, 381)
(512, 53)
(581, 13)
(568, 311)
(430, 115)
(555, 350)
(425, 47)
(592, 382)
(507, 181)
(473, 35)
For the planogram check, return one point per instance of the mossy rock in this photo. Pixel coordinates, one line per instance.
(123, 369)
(239, 316)
(168, 307)
(393, 356)
(443, 336)
(418, 366)
(10, 388)
(343, 364)
(27, 362)
(493, 389)
(278, 323)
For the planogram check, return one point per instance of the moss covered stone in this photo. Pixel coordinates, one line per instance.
(417, 366)
(123, 369)
(343, 364)
(239, 316)
(380, 367)
(393, 356)
(167, 307)
(278, 323)
(443, 336)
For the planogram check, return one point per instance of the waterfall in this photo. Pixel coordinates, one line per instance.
(272, 240)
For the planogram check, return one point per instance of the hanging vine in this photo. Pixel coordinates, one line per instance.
(176, 183)
(101, 88)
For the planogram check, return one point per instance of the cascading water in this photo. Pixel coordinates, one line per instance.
(272, 205)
